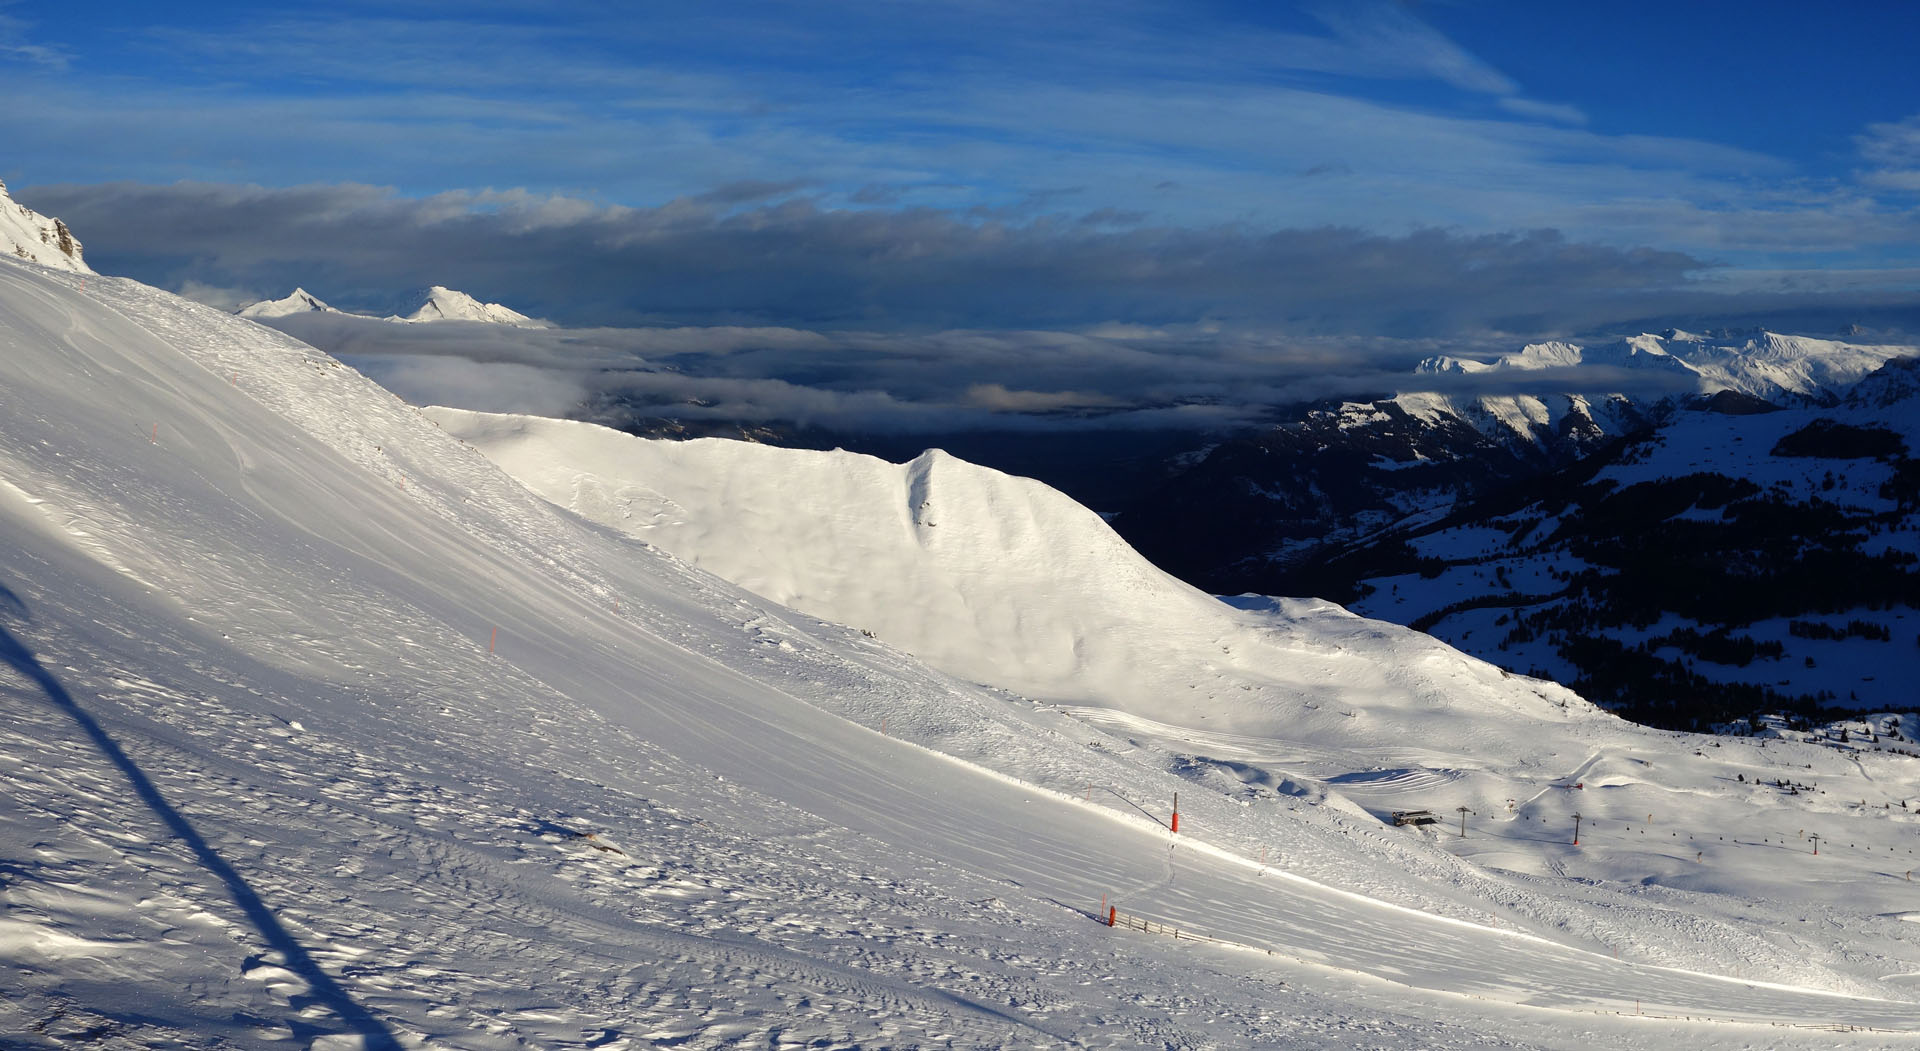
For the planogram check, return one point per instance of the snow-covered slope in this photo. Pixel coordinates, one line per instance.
(26, 234)
(1006, 581)
(307, 712)
(997, 578)
(446, 304)
(299, 301)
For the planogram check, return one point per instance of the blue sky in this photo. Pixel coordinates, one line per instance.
(1756, 149)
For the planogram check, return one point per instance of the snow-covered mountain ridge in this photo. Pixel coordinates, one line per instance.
(1257, 511)
(1000, 580)
(1761, 364)
(438, 303)
(309, 711)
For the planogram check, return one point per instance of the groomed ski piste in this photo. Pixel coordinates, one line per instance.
(320, 730)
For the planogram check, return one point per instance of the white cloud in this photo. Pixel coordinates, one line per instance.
(223, 298)
(1894, 151)
(1553, 111)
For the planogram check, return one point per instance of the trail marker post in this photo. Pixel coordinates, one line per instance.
(1463, 821)
(1576, 829)
(1816, 844)
(492, 640)
(1175, 827)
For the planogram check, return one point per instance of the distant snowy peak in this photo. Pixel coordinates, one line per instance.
(26, 234)
(1446, 365)
(1542, 356)
(446, 304)
(300, 302)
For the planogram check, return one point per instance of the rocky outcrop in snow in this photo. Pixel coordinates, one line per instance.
(26, 234)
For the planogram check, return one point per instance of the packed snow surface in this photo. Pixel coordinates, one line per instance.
(319, 730)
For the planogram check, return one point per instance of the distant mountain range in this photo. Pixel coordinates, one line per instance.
(1719, 564)
(1686, 559)
(1259, 512)
(437, 303)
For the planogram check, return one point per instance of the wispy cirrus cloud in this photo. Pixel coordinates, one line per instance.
(1159, 116)
(1892, 151)
(16, 45)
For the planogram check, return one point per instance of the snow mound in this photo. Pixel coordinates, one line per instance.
(300, 301)
(26, 234)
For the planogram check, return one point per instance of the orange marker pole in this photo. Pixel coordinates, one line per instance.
(155, 437)
(1113, 915)
(1175, 827)
(492, 639)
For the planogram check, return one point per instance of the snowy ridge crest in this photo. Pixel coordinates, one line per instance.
(984, 575)
(1759, 364)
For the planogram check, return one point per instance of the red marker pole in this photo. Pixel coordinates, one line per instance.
(492, 639)
(1176, 813)
(1113, 915)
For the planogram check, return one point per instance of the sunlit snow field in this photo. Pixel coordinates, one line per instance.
(322, 730)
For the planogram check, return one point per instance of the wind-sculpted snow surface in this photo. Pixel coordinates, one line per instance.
(318, 730)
